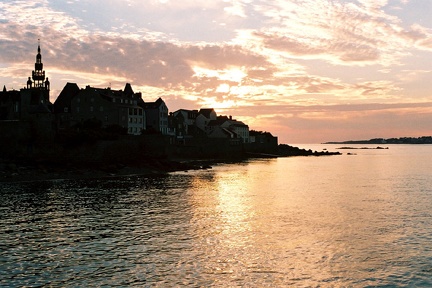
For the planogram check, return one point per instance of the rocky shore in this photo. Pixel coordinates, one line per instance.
(20, 171)
(24, 169)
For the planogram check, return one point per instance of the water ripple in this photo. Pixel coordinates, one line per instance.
(229, 226)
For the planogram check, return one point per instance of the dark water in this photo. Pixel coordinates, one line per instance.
(356, 221)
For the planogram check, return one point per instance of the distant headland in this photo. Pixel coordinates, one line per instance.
(401, 140)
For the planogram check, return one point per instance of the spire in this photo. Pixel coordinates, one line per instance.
(38, 74)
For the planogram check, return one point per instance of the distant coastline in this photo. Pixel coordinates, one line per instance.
(401, 140)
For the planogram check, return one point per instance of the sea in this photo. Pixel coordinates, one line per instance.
(360, 219)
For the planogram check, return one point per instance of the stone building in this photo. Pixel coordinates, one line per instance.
(110, 107)
(156, 114)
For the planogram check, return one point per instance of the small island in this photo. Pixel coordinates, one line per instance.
(401, 140)
(362, 148)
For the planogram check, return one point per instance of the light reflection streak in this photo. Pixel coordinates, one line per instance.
(292, 225)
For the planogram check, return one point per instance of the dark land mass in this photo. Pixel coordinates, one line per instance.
(361, 148)
(91, 151)
(401, 140)
(285, 150)
(117, 158)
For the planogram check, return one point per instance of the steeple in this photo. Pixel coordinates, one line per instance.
(38, 75)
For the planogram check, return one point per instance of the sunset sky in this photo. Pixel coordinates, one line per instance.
(308, 71)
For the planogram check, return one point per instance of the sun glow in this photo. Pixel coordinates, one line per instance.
(219, 105)
(234, 74)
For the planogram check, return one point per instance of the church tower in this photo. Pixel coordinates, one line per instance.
(38, 74)
(35, 97)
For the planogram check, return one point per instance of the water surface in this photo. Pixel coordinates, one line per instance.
(358, 220)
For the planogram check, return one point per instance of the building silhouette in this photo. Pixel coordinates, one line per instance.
(156, 116)
(106, 105)
(30, 125)
(30, 102)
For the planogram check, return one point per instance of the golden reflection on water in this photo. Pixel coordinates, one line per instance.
(290, 221)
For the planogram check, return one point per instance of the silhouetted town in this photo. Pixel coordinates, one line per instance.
(102, 125)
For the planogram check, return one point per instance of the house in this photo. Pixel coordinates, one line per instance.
(185, 120)
(232, 127)
(110, 107)
(262, 142)
(156, 114)
(10, 104)
(204, 117)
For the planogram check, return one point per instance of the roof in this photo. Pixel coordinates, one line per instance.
(69, 91)
(189, 114)
(217, 122)
(206, 112)
(153, 105)
(128, 90)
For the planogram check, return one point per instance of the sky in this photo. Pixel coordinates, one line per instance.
(308, 71)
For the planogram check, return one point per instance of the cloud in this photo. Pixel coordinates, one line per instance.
(271, 62)
(342, 33)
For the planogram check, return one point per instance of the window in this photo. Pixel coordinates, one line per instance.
(91, 108)
(78, 109)
(106, 118)
(66, 109)
(78, 100)
(101, 108)
(92, 99)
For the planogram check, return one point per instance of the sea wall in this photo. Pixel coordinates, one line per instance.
(199, 148)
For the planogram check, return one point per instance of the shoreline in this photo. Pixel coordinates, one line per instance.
(31, 170)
